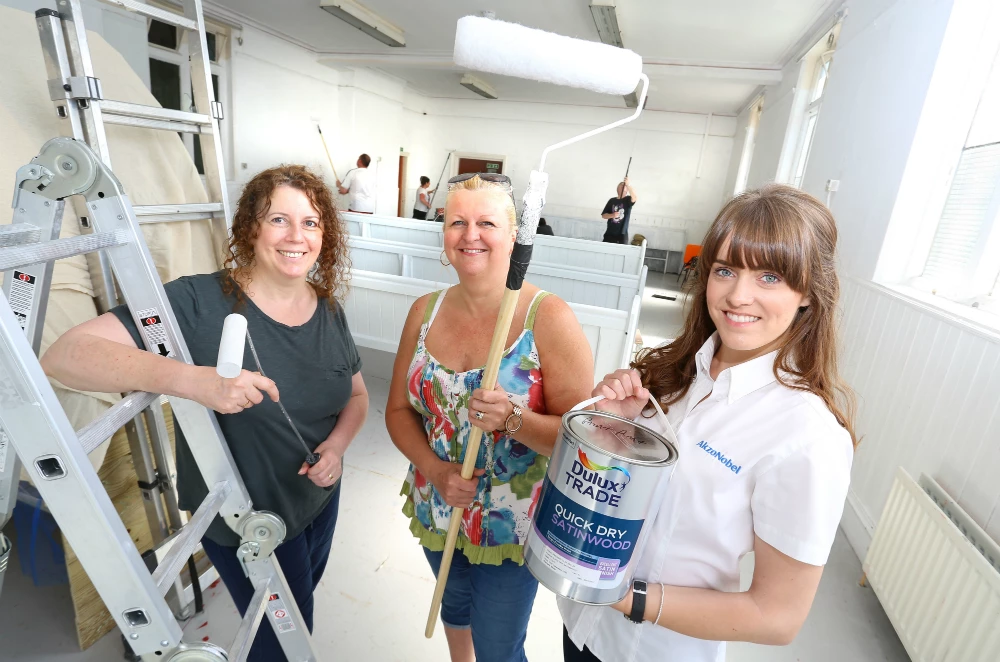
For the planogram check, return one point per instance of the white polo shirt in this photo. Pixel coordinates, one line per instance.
(361, 185)
(755, 457)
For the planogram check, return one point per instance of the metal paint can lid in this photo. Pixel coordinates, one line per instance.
(620, 438)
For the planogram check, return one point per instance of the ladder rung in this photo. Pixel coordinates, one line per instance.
(188, 537)
(163, 125)
(154, 12)
(18, 234)
(136, 110)
(251, 622)
(170, 213)
(121, 413)
(14, 257)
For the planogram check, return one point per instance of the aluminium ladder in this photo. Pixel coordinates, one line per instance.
(55, 456)
(79, 101)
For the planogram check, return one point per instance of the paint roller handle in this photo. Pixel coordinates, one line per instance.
(507, 307)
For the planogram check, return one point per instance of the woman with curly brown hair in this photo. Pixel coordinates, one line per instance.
(288, 261)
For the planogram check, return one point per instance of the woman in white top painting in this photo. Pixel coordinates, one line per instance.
(764, 424)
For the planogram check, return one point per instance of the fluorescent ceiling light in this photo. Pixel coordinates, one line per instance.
(606, 20)
(479, 86)
(365, 20)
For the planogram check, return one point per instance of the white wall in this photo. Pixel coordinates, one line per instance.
(664, 147)
(878, 84)
(278, 94)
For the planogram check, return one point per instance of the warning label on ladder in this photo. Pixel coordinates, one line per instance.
(279, 614)
(156, 335)
(22, 294)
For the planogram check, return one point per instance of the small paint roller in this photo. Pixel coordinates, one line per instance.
(230, 363)
(508, 49)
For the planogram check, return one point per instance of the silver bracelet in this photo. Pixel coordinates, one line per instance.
(659, 612)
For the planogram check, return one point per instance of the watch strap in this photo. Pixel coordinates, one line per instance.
(638, 612)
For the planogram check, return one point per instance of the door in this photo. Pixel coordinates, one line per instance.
(492, 166)
(401, 181)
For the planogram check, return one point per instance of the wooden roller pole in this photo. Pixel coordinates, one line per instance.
(497, 345)
(328, 157)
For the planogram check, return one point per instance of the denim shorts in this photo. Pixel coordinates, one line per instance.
(494, 601)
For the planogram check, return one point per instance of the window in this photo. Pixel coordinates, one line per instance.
(170, 75)
(818, 63)
(743, 173)
(964, 259)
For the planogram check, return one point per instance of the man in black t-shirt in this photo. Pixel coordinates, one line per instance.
(617, 212)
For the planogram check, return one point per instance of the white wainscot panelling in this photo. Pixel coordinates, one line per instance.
(928, 389)
(586, 286)
(377, 306)
(563, 251)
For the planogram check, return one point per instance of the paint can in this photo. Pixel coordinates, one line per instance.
(597, 505)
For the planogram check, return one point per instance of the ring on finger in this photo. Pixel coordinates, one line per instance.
(479, 415)
(246, 404)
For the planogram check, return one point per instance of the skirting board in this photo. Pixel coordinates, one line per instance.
(857, 524)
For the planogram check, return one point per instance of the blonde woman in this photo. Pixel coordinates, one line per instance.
(765, 430)
(435, 398)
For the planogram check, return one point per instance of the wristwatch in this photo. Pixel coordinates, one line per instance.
(638, 602)
(513, 422)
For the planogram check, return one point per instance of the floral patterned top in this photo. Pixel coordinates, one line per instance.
(495, 527)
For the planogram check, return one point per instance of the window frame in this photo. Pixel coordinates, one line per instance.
(818, 65)
(977, 282)
(220, 67)
(749, 142)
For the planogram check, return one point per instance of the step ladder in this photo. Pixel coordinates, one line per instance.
(78, 98)
(55, 456)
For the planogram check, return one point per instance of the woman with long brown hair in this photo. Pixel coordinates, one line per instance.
(287, 263)
(765, 430)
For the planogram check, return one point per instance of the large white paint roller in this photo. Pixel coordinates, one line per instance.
(229, 364)
(508, 49)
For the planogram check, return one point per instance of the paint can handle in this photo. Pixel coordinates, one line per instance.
(652, 401)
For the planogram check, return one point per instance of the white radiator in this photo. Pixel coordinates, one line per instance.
(937, 575)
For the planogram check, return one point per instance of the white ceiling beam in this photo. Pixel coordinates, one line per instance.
(441, 61)
(655, 69)
(750, 75)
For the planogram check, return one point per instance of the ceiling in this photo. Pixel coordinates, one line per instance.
(701, 57)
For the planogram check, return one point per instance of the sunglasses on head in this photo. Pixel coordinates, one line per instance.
(485, 176)
(492, 178)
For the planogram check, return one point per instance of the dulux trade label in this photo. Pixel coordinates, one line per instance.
(595, 500)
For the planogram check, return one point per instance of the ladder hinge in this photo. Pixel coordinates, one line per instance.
(162, 482)
(76, 87)
(217, 112)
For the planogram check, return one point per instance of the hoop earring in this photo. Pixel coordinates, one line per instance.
(442, 260)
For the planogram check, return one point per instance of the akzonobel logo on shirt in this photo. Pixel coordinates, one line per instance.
(727, 462)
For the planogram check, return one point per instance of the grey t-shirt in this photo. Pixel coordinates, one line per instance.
(312, 366)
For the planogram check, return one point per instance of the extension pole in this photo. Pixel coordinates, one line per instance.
(507, 307)
(328, 157)
(628, 166)
(440, 177)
